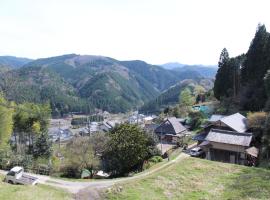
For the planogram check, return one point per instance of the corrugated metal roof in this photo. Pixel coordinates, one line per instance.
(236, 121)
(229, 137)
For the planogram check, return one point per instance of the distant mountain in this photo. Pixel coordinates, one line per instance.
(13, 62)
(160, 78)
(83, 82)
(207, 71)
(172, 65)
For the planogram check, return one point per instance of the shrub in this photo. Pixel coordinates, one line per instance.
(156, 159)
(196, 119)
(70, 171)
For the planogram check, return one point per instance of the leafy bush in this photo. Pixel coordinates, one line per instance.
(196, 119)
(25, 160)
(156, 159)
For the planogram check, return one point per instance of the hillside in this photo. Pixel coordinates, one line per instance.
(161, 78)
(81, 83)
(206, 71)
(195, 178)
(40, 85)
(171, 95)
(13, 62)
(101, 80)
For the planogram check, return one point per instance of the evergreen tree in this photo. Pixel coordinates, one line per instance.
(223, 76)
(253, 95)
(42, 146)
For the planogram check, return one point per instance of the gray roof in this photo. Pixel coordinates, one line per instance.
(229, 137)
(170, 126)
(236, 121)
(215, 118)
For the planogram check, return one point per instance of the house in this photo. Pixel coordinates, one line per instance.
(106, 126)
(226, 146)
(148, 119)
(235, 122)
(170, 130)
(136, 118)
(225, 139)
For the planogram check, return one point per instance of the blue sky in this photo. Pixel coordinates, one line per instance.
(157, 31)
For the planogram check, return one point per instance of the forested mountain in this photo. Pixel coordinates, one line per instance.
(41, 85)
(158, 76)
(83, 82)
(13, 62)
(171, 95)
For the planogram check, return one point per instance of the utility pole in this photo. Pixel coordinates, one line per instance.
(137, 116)
(59, 135)
(234, 80)
(88, 125)
(161, 139)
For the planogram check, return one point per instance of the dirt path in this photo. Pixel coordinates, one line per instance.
(76, 186)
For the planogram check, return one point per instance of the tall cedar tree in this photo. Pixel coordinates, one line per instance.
(223, 77)
(253, 94)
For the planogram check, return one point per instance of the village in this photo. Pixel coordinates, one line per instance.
(221, 138)
(134, 100)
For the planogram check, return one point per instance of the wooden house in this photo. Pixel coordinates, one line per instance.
(227, 146)
(225, 138)
(170, 130)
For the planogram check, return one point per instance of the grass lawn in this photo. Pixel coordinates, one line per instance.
(198, 179)
(40, 192)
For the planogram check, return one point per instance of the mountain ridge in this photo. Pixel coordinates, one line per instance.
(93, 81)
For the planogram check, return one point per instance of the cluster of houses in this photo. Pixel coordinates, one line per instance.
(224, 138)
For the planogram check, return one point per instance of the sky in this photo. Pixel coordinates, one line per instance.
(156, 31)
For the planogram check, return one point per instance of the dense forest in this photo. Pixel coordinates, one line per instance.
(170, 96)
(244, 80)
(82, 83)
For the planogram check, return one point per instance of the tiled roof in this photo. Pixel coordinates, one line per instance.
(229, 137)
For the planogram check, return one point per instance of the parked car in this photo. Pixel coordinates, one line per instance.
(197, 152)
(17, 176)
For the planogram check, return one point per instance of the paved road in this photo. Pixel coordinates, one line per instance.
(75, 186)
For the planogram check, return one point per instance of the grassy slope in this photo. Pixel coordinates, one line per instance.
(40, 192)
(199, 179)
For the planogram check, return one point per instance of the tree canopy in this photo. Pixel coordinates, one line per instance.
(127, 148)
